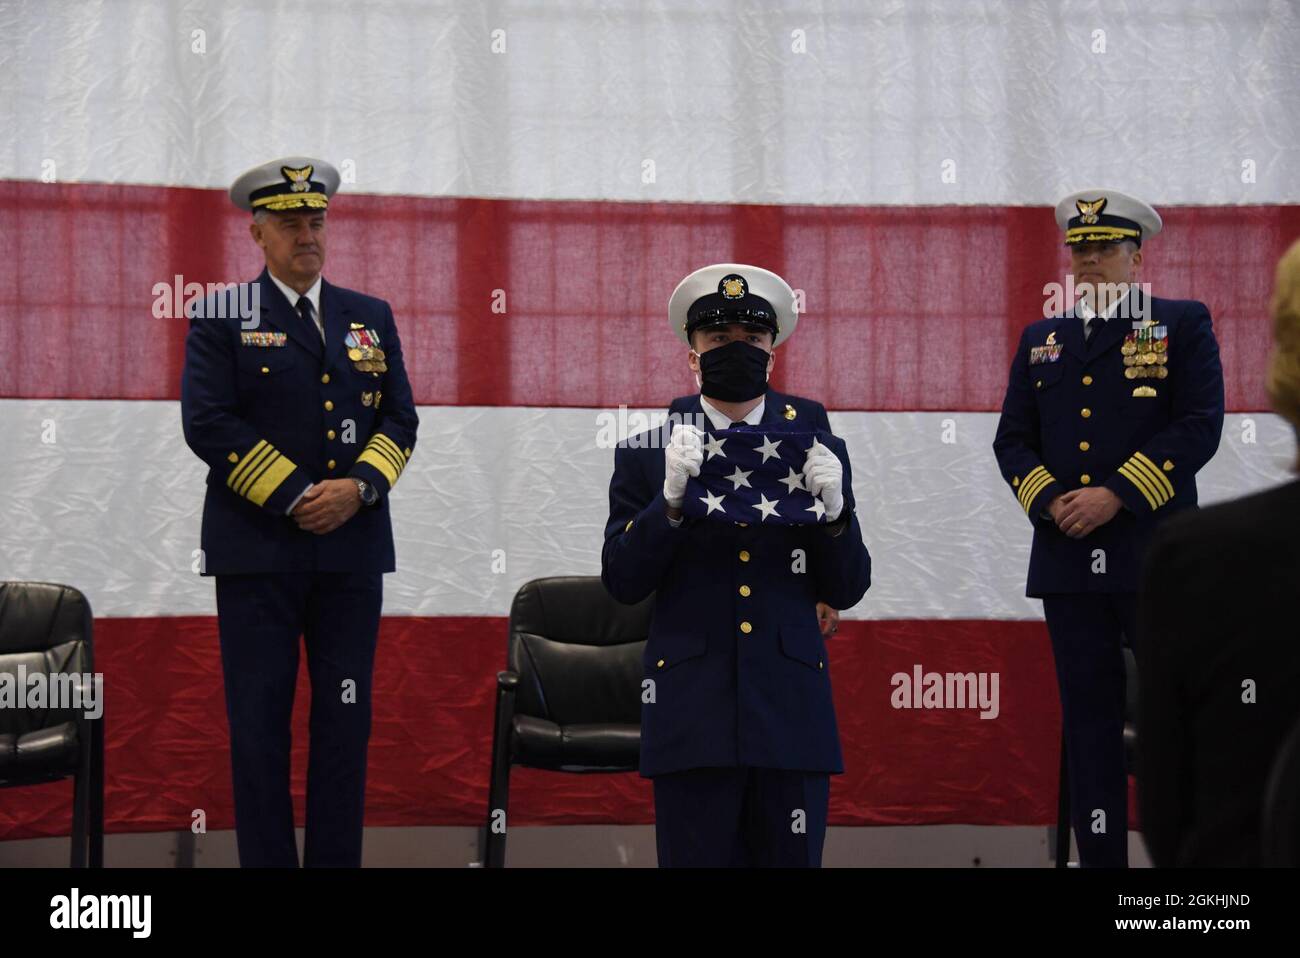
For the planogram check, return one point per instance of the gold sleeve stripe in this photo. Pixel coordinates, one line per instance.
(381, 449)
(1039, 486)
(1037, 480)
(1143, 485)
(1161, 479)
(1028, 480)
(255, 471)
(380, 462)
(383, 442)
(259, 473)
(1036, 475)
(248, 464)
(270, 479)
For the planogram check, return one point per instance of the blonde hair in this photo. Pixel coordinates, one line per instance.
(1283, 380)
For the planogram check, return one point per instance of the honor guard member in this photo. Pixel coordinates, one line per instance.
(807, 412)
(304, 415)
(740, 738)
(1110, 411)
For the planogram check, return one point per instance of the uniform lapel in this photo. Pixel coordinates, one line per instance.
(773, 407)
(691, 409)
(1119, 324)
(335, 310)
(279, 312)
(1069, 332)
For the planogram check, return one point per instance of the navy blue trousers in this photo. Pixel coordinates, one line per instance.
(260, 619)
(741, 817)
(1089, 632)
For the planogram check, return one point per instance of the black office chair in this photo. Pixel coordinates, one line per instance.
(46, 628)
(1130, 758)
(570, 700)
(1280, 822)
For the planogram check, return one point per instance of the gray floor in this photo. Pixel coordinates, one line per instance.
(600, 846)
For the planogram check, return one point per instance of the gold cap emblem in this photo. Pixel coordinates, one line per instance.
(298, 178)
(1090, 210)
(732, 287)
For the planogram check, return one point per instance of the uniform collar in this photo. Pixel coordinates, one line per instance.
(1086, 312)
(292, 294)
(720, 421)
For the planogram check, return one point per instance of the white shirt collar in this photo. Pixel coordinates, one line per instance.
(721, 421)
(292, 294)
(1085, 311)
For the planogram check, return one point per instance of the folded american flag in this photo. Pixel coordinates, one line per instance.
(755, 474)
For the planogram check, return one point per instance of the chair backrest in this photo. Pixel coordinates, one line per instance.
(1280, 821)
(45, 629)
(577, 651)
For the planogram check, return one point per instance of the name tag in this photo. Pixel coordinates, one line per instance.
(261, 338)
(1044, 354)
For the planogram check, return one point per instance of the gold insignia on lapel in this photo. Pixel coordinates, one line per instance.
(1015, 482)
(356, 325)
(298, 178)
(1168, 466)
(1051, 339)
(367, 398)
(789, 411)
(1145, 392)
(1089, 210)
(378, 396)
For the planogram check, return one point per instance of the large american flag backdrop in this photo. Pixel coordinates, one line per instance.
(526, 184)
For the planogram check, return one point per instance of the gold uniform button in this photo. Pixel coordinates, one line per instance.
(1168, 466)
(1085, 478)
(746, 628)
(1085, 446)
(743, 525)
(744, 555)
(407, 450)
(660, 663)
(233, 457)
(1015, 482)
(629, 525)
(328, 405)
(1085, 412)
(325, 378)
(266, 369)
(1039, 384)
(1087, 380)
(330, 434)
(330, 464)
(745, 590)
(821, 664)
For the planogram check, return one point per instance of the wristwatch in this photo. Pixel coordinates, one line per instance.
(369, 494)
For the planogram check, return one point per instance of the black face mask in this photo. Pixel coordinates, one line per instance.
(735, 372)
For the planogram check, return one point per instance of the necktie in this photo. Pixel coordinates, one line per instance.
(1095, 326)
(305, 311)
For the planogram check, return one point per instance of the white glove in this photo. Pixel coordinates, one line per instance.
(683, 457)
(824, 476)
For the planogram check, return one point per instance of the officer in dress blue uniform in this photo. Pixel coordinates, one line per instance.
(1110, 411)
(304, 415)
(738, 730)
